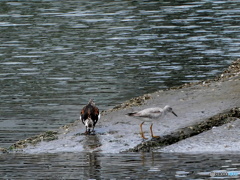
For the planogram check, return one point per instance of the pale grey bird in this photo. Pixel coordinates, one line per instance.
(151, 113)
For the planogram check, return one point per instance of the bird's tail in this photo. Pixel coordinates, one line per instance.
(91, 101)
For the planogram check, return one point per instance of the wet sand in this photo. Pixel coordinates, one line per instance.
(208, 121)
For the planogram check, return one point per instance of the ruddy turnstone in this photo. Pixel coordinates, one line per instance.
(89, 116)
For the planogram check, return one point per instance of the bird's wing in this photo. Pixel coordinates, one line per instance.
(150, 110)
(93, 113)
(96, 110)
(84, 114)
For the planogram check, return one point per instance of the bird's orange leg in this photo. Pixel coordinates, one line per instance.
(141, 131)
(152, 132)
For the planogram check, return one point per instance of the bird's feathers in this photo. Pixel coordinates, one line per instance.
(154, 112)
(89, 115)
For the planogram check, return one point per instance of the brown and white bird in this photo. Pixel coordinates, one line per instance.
(149, 114)
(89, 116)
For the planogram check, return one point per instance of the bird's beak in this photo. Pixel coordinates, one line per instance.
(174, 113)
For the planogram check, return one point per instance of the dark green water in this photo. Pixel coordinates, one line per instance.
(56, 55)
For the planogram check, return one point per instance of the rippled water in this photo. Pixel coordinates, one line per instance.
(117, 166)
(55, 55)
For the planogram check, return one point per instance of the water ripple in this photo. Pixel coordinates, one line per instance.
(59, 54)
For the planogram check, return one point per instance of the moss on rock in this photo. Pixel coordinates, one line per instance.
(47, 136)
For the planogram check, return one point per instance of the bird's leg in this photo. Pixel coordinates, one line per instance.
(86, 132)
(93, 131)
(152, 132)
(141, 131)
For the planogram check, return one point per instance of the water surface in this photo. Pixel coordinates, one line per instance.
(117, 166)
(56, 55)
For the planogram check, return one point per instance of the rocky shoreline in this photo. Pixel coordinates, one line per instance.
(200, 106)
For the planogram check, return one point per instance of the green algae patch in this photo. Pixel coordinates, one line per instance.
(3, 150)
(47, 136)
(183, 133)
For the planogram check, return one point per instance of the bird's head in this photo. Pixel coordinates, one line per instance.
(169, 109)
(88, 123)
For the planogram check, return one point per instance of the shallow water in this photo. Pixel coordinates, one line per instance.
(117, 166)
(56, 55)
